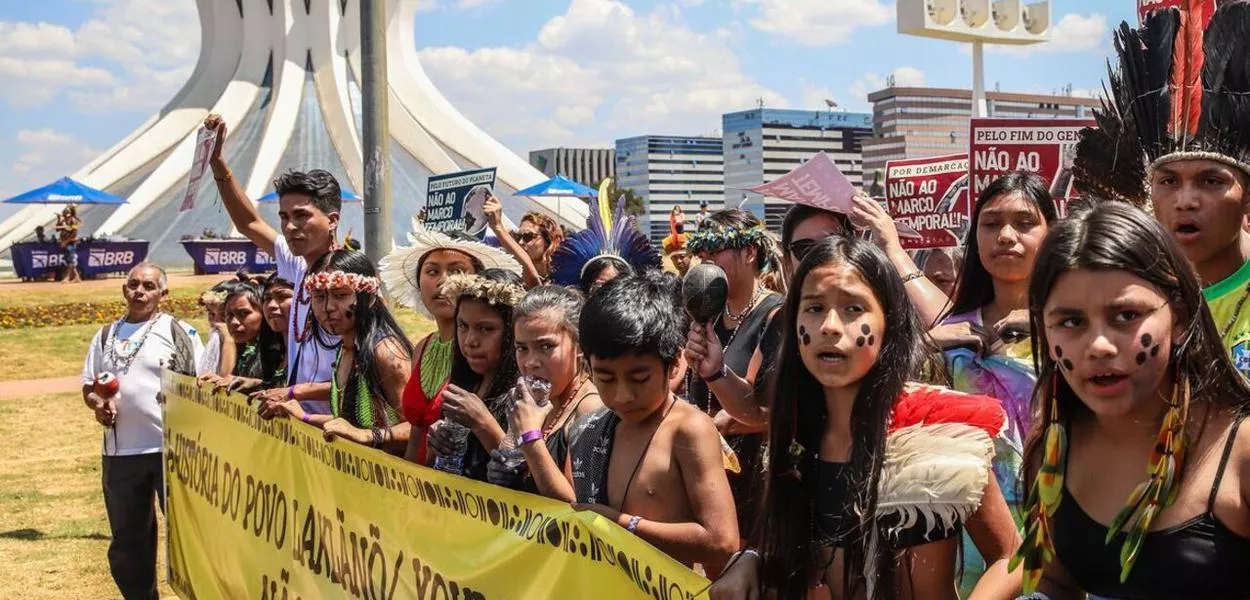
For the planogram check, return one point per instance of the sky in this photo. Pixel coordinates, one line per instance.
(80, 75)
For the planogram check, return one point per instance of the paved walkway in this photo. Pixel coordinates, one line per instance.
(39, 387)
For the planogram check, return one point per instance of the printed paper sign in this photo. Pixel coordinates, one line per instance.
(1044, 146)
(454, 202)
(931, 196)
(204, 141)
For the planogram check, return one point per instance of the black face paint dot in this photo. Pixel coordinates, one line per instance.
(1154, 351)
(1058, 352)
(872, 340)
(1141, 358)
(802, 330)
(861, 341)
(807, 340)
(866, 329)
(1067, 364)
(1146, 339)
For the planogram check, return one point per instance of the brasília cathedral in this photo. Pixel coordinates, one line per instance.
(285, 75)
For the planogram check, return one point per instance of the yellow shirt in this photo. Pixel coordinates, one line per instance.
(1227, 300)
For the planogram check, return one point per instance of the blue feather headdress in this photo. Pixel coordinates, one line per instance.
(608, 233)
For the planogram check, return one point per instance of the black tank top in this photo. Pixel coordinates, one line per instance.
(1200, 558)
(835, 523)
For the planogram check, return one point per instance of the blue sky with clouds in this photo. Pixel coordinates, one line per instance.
(79, 75)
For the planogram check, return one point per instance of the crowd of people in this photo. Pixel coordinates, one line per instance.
(850, 425)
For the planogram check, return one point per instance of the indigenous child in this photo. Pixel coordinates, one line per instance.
(372, 365)
(276, 296)
(255, 343)
(483, 370)
(609, 247)
(413, 276)
(653, 464)
(1191, 146)
(869, 481)
(1132, 372)
(216, 350)
(547, 350)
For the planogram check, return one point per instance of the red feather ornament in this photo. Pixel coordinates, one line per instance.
(1185, 86)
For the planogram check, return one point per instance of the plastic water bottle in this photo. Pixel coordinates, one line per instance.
(510, 452)
(454, 464)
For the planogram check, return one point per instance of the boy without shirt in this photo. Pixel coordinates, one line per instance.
(308, 206)
(652, 464)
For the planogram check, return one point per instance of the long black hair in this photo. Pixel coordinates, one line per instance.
(975, 288)
(506, 374)
(374, 324)
(1115, 236)
(797, 420)
(268, 342)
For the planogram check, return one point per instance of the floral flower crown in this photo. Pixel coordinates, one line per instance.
(493, 292)
(211, 298)
(716, 238)
(327, 280)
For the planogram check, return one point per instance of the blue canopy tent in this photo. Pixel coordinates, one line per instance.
(348, 196)
(558, 187)
(65, 191)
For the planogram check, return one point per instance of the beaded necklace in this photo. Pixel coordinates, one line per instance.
(1236, 312)
(124, 358)
(361, 411)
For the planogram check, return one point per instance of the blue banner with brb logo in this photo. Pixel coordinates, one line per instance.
(37, 260)
(228, 256)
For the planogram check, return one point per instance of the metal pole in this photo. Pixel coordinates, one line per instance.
(375, 139)
(979, 108)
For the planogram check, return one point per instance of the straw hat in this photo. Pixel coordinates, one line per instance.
(398, 269)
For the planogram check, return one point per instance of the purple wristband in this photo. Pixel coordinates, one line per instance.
(290, 392)
(307, 418)
(531, 436)
(632, 526)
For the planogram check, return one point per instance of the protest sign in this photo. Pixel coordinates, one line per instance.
(204, 141)
(453, 202)
(268, 509)
(931, 196)
(1205, 8)
(1044, 146)
(818, 183)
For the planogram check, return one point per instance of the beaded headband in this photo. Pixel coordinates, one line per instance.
(715, 239)
(493, 292)
(328, 280)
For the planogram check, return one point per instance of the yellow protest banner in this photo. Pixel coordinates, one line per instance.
(270, 510)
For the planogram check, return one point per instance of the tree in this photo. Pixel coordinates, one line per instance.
(634, 204)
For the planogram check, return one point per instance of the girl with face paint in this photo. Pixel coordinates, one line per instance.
(371, 366)
(1132, 372)
(870, 480)
(483, 370)
(414, 276)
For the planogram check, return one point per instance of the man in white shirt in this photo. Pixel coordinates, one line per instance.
(309, 204)
(134, 349)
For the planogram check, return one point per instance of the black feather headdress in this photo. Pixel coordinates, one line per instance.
(1179, 93)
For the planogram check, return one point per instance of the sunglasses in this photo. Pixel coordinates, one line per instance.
(525, 237)
(799, 248)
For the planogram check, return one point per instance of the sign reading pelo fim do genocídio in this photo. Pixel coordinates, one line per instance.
(454, 202)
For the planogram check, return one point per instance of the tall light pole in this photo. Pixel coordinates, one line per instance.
(375, 140)
(979, 22)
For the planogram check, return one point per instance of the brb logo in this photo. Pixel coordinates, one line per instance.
(263, 258)
(216, 257)
(100, 257)
(40, 259)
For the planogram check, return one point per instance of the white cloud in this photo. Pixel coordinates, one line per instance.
(44, 155)
(817, 22)
(116, 60)
(871, 82)
(1073, 33)
(595, 73)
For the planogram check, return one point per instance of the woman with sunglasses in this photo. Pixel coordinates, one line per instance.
(533, 243)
